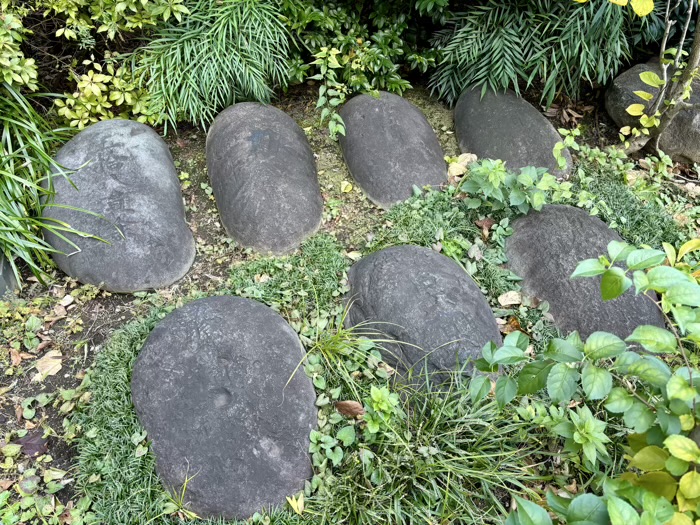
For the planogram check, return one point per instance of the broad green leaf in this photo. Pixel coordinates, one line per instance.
(346, 435)
(517, 339)
(533, 377)
(563, 351)
(619, 401)
(625, 360)
(639, 417)
(508, 355)
(690, 485)
(506, 390)
(619, 250)
(685, 294)
(479, 388)
(679, 519)
(530, 513)
(676, 467)
(683, 448)
(587, 508)
(335, 455)
(562, 382)
(670, 252)
(644, 95)
(636, 110)
(678, 388)
(642, 7)
(621, 512)
(651, 370)
(557, 503)
(650, 459)
(600, 345)
(651, 79)
(596, 382)
(653, 339)
(661, 278)
(614, 283)
(688, 247)
(660, 483)
(588, 268)
(643, 259)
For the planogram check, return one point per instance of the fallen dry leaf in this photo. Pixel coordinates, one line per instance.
(350, 408)
(15, 358)
(5, 484)
(456, 169)
(511, 298)
(48, 365)
(513, 325)
(33, 443)
(67, 301)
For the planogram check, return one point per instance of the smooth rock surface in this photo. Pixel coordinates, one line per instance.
(125, 174)
(263, 174)
(507, 127)
(210, 387)
(389, 147)
(545, 249)
(425, 302)
(8, 283)
(681, 139)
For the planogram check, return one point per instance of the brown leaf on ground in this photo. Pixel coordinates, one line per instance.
(34, 443)
(350, 408)
(5, 484)
(511, 298)
(513, 325)
(48, 365)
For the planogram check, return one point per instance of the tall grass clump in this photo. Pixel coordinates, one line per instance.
(221, 53)
(25, 162)
(496, 45)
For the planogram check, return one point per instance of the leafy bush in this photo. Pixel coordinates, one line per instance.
(498, 44)
(221, 53)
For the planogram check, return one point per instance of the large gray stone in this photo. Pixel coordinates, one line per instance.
(545, 249)
(389, 147)
(263, 174)
(217, 388)
(681, 139)
(507, 127)
(8, 283)
(126, 178)
(426, 303)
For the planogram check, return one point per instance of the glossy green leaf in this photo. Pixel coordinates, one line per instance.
(588, 268)
(653, 339)
(643, 259)
(601, 345)
(533, 377)
(596, 382)
(562, 382)
(621, 512)
(614, 283)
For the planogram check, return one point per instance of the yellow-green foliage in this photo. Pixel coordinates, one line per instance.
(15, 68)
(104, 92)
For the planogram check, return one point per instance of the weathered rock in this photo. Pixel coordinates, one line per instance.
(263, 174)
(425, 302)
(507, 127)
(389, 147)
(545, 249)
(210, 388)
(126, 178)
(8, 283)
(681, 139)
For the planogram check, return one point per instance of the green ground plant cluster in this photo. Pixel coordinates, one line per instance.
(571, 428)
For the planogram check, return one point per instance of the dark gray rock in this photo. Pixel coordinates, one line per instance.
(425, 302)
(8, 283)
(389, 147)
(681, 139)
(545, 249)
(263, 174)
(126, 176)
(507, 127)
(210, 387)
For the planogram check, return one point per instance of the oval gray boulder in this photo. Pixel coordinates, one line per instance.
(217, 388)
(389, 147)
(507, 127)
(263, 174)
(425, 302)
(681, 139)
(8, 283)
(126, 178)
(545, 249)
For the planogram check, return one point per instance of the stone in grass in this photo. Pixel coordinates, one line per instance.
(681, 139)
(8, 283)
(217, 388)
(545, 249)
(125, 178)
(425, 302)
(263, 174)
(507, 127)
(389, 147)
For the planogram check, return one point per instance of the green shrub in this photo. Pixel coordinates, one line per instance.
(560, 44)
(221, 53)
